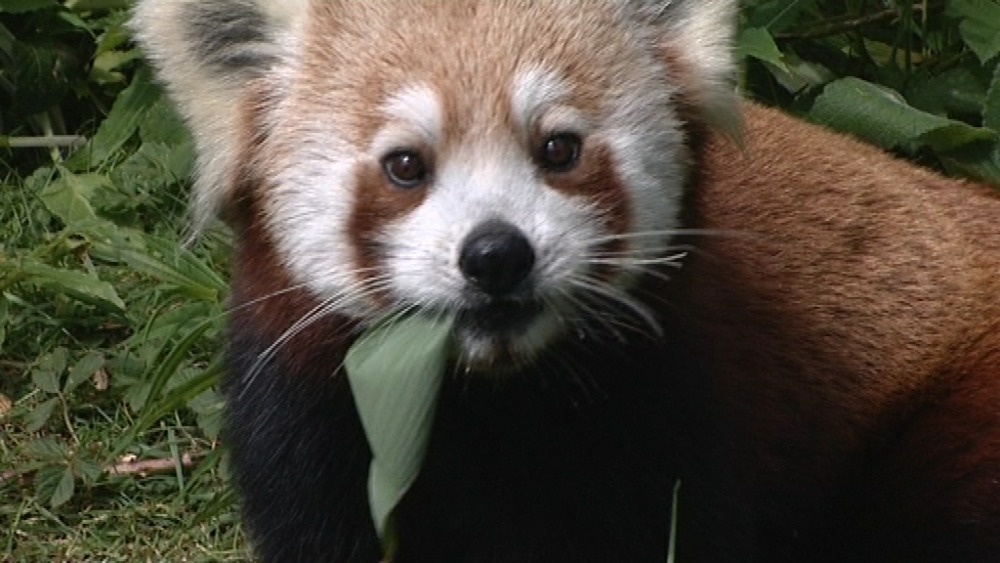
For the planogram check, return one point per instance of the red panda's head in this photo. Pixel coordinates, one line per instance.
(516, 163)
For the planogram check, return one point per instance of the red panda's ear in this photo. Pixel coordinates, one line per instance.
(696, 37)
(206, 53)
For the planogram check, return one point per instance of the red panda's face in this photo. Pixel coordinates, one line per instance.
(475, 160)
(515, 164)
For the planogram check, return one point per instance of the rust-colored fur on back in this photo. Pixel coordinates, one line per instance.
(853, 326)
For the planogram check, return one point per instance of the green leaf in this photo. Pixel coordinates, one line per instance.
(991, 109)
(54, 484)
(21, 6)
(4, 312)
(49, 370)
(981, 161)
(39, 415)
(955, 135)
(672, 546)
(47, 450)
(122, 122)
(165, 260)
(776, 15)
(881, 116)
(170, 366)
(758, 43)
(155, 167)
(395, 371)
(80, 285)
(47, 480)
(64, 489)
(7, 41)
(69, 196)
(87, 469)
(209, 407)
(797, 75)
(45, 380)
(980, 27)
(161, 124)
(955, 91)
(83, 370)
(100, 5)
(177, 398)
(117, 33)
(106, 65)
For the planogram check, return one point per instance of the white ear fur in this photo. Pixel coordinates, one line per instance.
(206, 52)
(699, 35)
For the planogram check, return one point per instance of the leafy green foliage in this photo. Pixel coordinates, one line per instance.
(110, 326)
(60, 67)
(921, 79)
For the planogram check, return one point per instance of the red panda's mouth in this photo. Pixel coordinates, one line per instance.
(498, 318)
(501, 336)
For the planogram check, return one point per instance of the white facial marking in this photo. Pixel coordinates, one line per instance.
(310, 205)
(540, 100)
(308, 212)
(415, 116)
(649, 152)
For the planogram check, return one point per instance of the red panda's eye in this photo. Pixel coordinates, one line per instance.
(405, 169)
(559, 153)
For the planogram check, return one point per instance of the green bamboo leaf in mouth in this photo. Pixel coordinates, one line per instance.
(395, 371)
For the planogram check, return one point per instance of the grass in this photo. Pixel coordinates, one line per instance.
(135, 524)
(110, 327)
(109, 346)
(86, 385)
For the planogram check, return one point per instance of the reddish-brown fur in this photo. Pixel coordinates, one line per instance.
(471, 76)
(852, 319)
(846, 321)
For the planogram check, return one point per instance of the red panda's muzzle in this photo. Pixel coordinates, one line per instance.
(498, 317)
(497, 259)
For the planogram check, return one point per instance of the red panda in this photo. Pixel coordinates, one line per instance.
(653, 281)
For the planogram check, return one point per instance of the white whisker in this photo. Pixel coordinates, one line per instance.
(679, 251)
(673, 261)
(616, 295)
(272, 295)
(361, 289)
(614, 237)
(591, 314)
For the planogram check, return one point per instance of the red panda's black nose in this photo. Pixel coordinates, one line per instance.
(496, 257)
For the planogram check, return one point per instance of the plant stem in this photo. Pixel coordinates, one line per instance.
(845, 25)
(43, 142)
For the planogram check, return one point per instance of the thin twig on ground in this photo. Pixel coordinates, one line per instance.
(139, 467)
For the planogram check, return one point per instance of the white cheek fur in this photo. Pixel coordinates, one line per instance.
(649, 153)
(311, 201)
(414, 116)
(308, 211)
